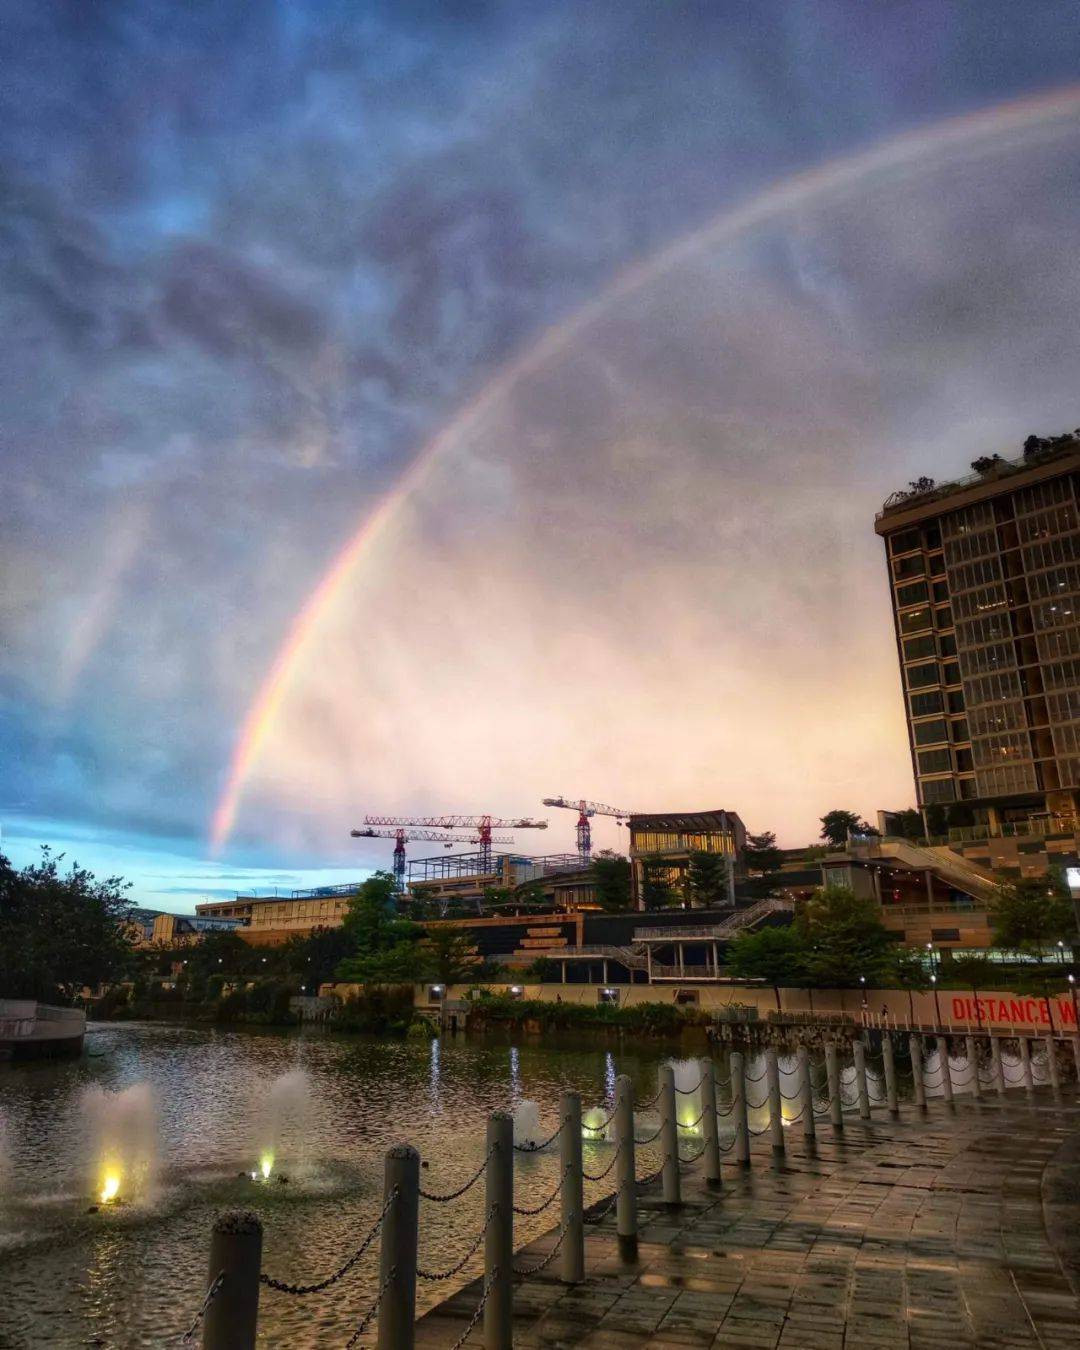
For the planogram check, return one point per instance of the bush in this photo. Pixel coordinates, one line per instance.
(232, 1006)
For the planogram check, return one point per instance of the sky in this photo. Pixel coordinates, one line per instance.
(414, 408)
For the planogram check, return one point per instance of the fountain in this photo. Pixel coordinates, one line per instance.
(596, 1128)
(527, 1129)
(687, 1099)
(124, 1143)
(282, 1122)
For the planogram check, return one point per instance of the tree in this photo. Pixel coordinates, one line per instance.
(315, 958)
(776, 955)
(937, 819)
(370, 912)
(609, 873)
(657, 889)
(386, 948)
(60, 931)
(450, 957)
(1032, 912)
(707, 879)
(909, 824)
(845, 939)
(761, 853)
(837, 825)
(222, 953)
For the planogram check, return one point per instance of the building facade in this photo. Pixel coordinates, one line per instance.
(984, 577)
(662, 844)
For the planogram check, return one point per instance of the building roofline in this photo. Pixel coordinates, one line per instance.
(908, 508)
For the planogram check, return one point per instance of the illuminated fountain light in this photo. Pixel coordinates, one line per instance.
(528, 1132)
(596, 1128)
(123, 1129)
(282, 1124)
(687, 1074)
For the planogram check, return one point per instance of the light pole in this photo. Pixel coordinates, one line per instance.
(1072, 990)
(937, 1006)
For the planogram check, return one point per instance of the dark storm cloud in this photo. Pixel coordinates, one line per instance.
(253, 254)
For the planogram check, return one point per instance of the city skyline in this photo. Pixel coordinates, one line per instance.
(390, 429)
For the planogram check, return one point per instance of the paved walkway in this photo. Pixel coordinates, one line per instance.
(922, 1232)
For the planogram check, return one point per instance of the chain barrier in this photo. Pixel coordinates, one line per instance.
(727, 1110)
(535, 1270)
(300, 1289)
(454, 1195)
(790, 1097)
(791, 1120)
(757, 1106)
(436, 1275)
(535, 1148)
(603, 1213)
(757, 1133)
(368, 1317)
(689, 1092)
(650, 1177)
(479, 1311)
(527, 1213)
(693, 1124)
(208, 1298)
(747, 1078)
(726, 1148)
(692, 1158)
(651, 1101)
(599, 1176)
(595, 1129)
(650, 1138)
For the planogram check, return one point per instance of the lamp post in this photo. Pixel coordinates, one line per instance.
(1072, 991)
(937, 1006)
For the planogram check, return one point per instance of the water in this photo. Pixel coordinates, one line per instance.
(188, 1114)
(187, 1110)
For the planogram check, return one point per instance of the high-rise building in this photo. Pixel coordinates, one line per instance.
(985, 580)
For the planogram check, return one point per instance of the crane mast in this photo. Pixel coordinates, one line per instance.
(482, 824)
(400, 835)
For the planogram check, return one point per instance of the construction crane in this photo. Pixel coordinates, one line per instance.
(586, 809)
(483, 825)
(433, 836)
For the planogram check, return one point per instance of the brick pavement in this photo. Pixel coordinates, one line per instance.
(924, 1232)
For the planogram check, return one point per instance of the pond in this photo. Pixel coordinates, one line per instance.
(183, 1121)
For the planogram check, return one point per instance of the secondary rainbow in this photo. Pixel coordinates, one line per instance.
(910, 150)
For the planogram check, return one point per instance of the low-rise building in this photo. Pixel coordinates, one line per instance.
(663, 844)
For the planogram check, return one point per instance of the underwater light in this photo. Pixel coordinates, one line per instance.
(266, 1163)
(110, 1187)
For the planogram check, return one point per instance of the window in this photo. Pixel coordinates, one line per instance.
(935, 564)
(1067, 739)
(1036, 498)
(1057, 613)
(1004, 684)
(904, 542)
(943, 617)
(1059, 642)
(951, 674)
(929, 733)
(995, 656)
(1063, 580)
(1005, 780)
(913, 594)
(918, 647)
(1061, 674)
(987, 628)
(954, 701)
(915, 620)
(972, 604)
(1044, 524)
(969, 575)
(940, 592)
(964, 761)
(1069, 772)
(1002, 746)
(1064, 707)
(1051, 552)
(914, 565)
(971, 518)
(922, 705)
(920, 676)
(931, 537)
(947, 644)
(959, 730)
(935, 761)
(996, 717)
(945, 934)
(936, 790)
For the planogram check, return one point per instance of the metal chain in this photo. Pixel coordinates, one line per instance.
(801, 1112)
(693, 1157)
(595, 1129)
(651, 1101)
(366, 1320)
(726, 1110)
(535, 1270)
(535, 1148)
(208, 1298)
(479, 1310)
(453, 1195)
(792, 1097)
(603, 1213)
(299, 1289)
(650, 1177)
(530, 1213)
(436, 1275)
(689, 1092)
(599, 1176)
(651, 1138)
(748, 1079)
(693, 1124)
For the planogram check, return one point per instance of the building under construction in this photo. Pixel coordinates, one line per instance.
(469, 879)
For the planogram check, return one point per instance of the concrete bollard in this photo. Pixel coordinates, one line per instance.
(710, 1129)
(738, 1109)
(915, 1046)
(888, 1055)
(669, 1138)
(776, 1118)
(997, 1068)
(832, 1076)
(1025, 1060)
(232, 1317)
(946, 1070)
(397, 1253)
(1052, 1066)
(499, 1242)
(807, 1088)
(863, 1088)
(972, 1051)
(625, 1168)
(572, 1190)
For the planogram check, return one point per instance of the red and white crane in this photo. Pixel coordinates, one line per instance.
(433, 836)
(483, 825)
(585, 809)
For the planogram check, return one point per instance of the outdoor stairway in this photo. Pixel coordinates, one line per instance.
(973, 879)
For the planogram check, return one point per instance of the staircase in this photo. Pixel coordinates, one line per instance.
(966, 876)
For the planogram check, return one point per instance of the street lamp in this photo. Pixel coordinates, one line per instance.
(1061, 951)
(937, 1006)
(1072, 990)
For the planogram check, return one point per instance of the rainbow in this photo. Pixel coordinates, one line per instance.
(909, 150)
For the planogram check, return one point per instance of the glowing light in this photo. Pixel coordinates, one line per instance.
(110, 1187)
(593, 1124)
(908, 151)
(266, 1163)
